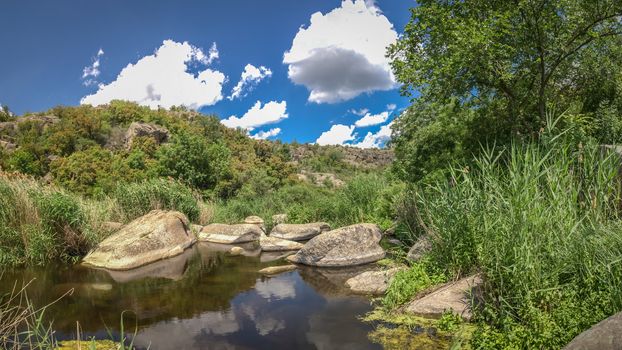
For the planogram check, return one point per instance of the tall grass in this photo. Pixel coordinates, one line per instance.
(365, 198)
(541, 222)
(41, 223)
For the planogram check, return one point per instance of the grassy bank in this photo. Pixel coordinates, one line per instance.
(540, 221)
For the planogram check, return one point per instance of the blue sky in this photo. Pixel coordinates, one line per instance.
(306, 78)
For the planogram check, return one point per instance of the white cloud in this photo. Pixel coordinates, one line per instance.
(391, 107)
(272, 112)
(89, 73)
(162, 79)
(377, 140)
(360, 112)
(338, 134)
(248, 80)
(372, 119)
(262, 135)
(342, 53)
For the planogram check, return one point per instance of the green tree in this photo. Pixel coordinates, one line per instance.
(509, 62)
(191, 159)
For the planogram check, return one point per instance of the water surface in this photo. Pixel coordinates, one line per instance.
(204, 299)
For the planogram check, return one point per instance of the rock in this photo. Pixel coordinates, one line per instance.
(332, 281)
(420, 248)
(152, 237)
(605, 335)
(454, 296)
(279, 219)
(273, 270)
(359, 157)
(266, 257)
(346, 246)
(140, 129)
(42, 122)
(196, 229)
(250, 249)
(273, 244)
(372, 282)
(255, 220)
(230, 234)
(236, 251)
(111, 226)
(299, 232)
(320, 179)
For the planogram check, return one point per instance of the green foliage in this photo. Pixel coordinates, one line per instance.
(407, 283)
(193, 160)
(137, 199)
(24, 162)
(540, 222)
(487, 72)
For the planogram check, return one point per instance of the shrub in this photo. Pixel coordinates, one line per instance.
(137, 199)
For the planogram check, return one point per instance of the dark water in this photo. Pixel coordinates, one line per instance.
(204, 299)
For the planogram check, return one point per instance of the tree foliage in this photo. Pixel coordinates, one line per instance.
(501, 66)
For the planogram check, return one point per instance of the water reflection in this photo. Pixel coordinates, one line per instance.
(205, 299)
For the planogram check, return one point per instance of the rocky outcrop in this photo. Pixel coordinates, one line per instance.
(230, 234)
(139, 129)
(604, 335)
(454, 296)
(41, 121)
(320, 179)
(273, 244)
(372, 282)
(7, 146)
(347, 246)
(359, 157)
(274, 270)
(420, 248)
(152, 237)
(299, 232)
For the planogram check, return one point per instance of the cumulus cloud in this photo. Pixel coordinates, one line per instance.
(341, 54)
(90, 73)
(263, 135)
(162, 79)
(372, 119)
(338, 134)
(249, 79)
(270, 113)
(377, 140)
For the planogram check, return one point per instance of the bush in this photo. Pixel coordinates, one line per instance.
(137, 199)
(540, 222)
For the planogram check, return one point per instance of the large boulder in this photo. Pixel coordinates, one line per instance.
(605, 335)
(140, 129)
(273, 244)
(230, 234)
(299, 232)
(152, 237)
(372, 282)
(456, 297)
(347, 246)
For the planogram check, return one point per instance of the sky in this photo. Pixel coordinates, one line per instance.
(311, 71)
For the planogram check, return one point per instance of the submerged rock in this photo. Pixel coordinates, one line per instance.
(273, 270)
(420, 248)
(266, 257)
(299, 232)
(230, 234)
(347, 246)
(152, 237)
(273, 244)
(454, 296)
(236, 251)
(605, 335)
(372, 282)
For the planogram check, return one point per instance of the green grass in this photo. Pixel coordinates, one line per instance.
(540, 221)
(407, 283)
